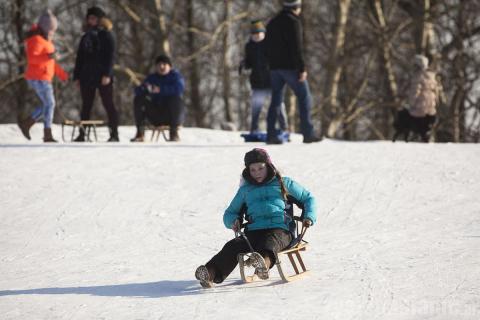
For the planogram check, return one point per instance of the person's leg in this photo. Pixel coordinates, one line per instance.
(302, 92)
(106, 93)
(268, 242)
(223, 263)
(278, 88)
(176, 112)
(257, 100)
(427, 125)
(49, 104)
(283, 118)
(38, 112)
(25, 124)
(140, 103)
(168, 111)
(49, 107)
(88, 96)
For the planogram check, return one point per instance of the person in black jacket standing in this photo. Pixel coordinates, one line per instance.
(94, 69)
(287, 66)
(256, 61)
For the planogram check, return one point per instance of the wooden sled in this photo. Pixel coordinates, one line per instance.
(293, 253)
(87, 125)
(157, 130)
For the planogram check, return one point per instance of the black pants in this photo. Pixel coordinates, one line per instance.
(404, 123)
(266, 242)
(106, 94)
(166, 111)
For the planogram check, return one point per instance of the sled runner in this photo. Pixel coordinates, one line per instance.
(293, 251)
(156, 131)
(262, 136)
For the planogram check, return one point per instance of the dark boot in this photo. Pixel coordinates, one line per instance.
(25, 126)
(47, 135)
(312, 139)
(174, 134)
(205, 276)
(140, 136)
(113, 135)
(81, 136)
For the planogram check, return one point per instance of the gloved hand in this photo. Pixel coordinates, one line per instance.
(307, 222)
(241, 66)
(236, 225)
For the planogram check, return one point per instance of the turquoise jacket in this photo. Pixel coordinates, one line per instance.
(265, 204)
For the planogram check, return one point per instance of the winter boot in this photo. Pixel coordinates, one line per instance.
(174, 134)
(260, 265)
(47, 135)
(25, 126)
(81, 136)
(203, 275)
(312, 139)
(139, 137)
(113, 135)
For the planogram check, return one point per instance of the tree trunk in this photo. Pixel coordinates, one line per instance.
(162, 35)
(19, 19)
(335, 66)
(226, 63)
(194, 79)
(387, 66)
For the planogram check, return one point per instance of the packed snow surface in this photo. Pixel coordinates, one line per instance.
(115, 231)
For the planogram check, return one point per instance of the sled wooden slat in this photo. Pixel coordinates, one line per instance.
(87, 125)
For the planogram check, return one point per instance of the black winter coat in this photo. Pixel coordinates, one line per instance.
(94, 57)
(285, 42)
(256, 60)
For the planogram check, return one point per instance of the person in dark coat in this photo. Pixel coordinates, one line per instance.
(287, 66)
(159, 99)
(256, 61)
(263, 192)
(94, 69)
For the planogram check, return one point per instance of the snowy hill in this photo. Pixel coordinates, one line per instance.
(115, 231)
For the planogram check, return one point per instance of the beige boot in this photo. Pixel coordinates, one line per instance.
(47, 135)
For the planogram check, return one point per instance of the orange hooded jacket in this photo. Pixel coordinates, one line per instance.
(39, 64)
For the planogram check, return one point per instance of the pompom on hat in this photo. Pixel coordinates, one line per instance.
(421, 61)
(47, 22)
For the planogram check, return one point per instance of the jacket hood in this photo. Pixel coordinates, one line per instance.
(106, 24)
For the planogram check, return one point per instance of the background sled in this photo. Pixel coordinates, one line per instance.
(262, 136)
(87, 125)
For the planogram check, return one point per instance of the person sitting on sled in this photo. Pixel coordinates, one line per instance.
(264, 193)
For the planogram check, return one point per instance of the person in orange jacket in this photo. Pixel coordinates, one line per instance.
(41, 68)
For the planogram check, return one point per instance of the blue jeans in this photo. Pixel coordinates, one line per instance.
(278, 80)
(44, 91)
(257, 101)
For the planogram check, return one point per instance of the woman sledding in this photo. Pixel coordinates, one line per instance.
(263, 192)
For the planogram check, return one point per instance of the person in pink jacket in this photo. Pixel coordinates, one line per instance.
(424, 93)
(41, 68)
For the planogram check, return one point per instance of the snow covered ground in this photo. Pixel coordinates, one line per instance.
(115, 231)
